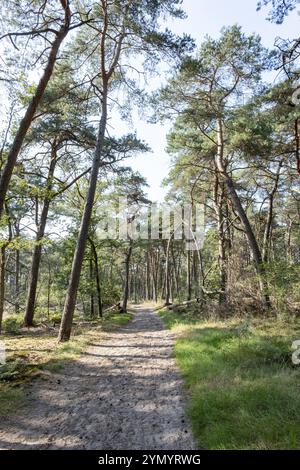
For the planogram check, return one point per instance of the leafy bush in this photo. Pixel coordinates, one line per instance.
(55, 317)
(13, 324)
(283, 280)
(12, 370)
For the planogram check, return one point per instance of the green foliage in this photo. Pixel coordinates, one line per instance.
(284, 281)
(55, 317)
(12, 370)
(12, 324)
(111, 293)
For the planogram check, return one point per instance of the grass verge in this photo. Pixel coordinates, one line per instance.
(31, 352)
(243, 388)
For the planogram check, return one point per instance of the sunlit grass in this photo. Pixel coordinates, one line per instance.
(243, 388)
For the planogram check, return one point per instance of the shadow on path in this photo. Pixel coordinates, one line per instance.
(125, 393)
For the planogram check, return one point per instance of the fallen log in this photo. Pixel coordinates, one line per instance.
(182, 304)
(114, 307)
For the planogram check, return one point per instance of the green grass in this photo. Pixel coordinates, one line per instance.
(117, 319)
(10, 399)
(242, 386)
(32, 352)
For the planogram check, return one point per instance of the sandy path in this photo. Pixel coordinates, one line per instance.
(123, 393)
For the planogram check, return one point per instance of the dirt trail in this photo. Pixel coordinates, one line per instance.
(123, 393)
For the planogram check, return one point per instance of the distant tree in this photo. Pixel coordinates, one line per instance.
(203, 93)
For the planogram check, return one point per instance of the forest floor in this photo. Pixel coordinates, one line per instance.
(123, 392)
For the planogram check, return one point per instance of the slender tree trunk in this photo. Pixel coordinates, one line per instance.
(297, 145)
(37, 251)
(127, 277)
(176, 272)
(2, 283)
(153, 278)
(235, 200)
(222, 262)
(98, 283)
(155, 273)
(289, 254)
(147, 293)
(188, 275)
(83, 305)
(167, 277)
(156, 277)
(32, 107)
(195, 276)
(135, 285)
(17, 282)
(268, 227)
(49, 291)
(70, 302)
(17, 272)
(92, 304)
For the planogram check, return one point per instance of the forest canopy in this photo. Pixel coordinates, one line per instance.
(68, 68)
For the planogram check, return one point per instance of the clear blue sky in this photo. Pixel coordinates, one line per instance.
(205, 17)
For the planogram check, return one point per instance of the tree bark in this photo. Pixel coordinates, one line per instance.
(268, 227)
(92, 303)
(167, 276)
(176, 272)
(222, 262)
(17, 271)
(289, 253)
(188, 275)
(70, 302)
(2, 283)
(297, 145)
(49, 290)
(126, 287)
(98, 284)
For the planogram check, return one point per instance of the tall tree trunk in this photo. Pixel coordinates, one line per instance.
(127, 277)
(297, 145)
(222, 262)
(147, 292)
(49, 290)
(167, 276)
(37, 251)
(17, 271)
(176, 272)
(235, 200)
(98, 284)
(32, 107)
(2, 283)
(153, 278)
(289, 253)
(188, 275)
(155, 259)
(70, 302)
(92, 304)
(268, 227)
